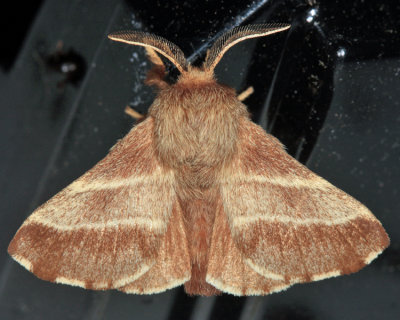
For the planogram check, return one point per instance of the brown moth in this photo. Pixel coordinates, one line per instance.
(197, 194)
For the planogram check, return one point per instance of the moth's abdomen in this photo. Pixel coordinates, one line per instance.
(198, 217)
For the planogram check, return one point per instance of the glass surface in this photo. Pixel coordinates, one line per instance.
(327, 88)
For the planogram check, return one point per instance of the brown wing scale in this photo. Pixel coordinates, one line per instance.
(106, 228)
(227, 270)
(290, 224)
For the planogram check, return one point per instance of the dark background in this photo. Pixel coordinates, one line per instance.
(328, 89)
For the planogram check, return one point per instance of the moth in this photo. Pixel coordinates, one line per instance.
(197, 195)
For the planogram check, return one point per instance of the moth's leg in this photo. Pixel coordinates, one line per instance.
(156, 75)
(245, 94)
(154, 58)
(133, 113)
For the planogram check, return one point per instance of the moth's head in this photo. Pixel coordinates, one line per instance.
(157, 45)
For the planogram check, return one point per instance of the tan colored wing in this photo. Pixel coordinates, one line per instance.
(105, 229)
(227, 270)
(172, 267)
(290, 224)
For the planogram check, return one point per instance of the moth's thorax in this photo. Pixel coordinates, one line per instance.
(196, 124)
